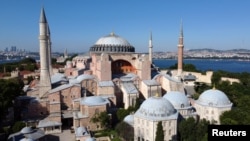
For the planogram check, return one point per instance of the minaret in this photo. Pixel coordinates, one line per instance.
(150, 46)
(180, 52)
(45, 82)
(65, 53)
(49, 53)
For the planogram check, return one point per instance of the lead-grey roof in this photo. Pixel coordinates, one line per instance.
(128, 77)
(48, 123)
(177, 99)
(82, 77)
(26, 130)
(151, 82)
(82, 131)
(214, 98)
(62, 87)
(155, 109)
(94, 101)
(129, 119)
(130, 88)
(106, 83)
(57, 77)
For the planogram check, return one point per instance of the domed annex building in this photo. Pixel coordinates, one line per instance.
(211, 104)
(152, 111)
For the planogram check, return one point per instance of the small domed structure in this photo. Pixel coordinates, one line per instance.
(156, 108)
(177, 99)
(26, 130)
(81, 131)
(112, 43)
(211, 104)
(129, 119)
(213, 97)
(90, 139)
(94, 101)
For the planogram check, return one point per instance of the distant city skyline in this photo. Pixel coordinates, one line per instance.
(77, 25)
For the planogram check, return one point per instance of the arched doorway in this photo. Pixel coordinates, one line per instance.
(122, 67)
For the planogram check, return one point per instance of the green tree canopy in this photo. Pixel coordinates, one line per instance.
(159, 132)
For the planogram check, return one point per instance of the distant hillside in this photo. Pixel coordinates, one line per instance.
(215, 50)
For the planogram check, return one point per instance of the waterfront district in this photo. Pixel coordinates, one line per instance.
(110, 77)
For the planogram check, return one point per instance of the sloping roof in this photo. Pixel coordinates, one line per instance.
(62, 87)
(151, 82)
(130, 88)
(106, 83)
(48, 123)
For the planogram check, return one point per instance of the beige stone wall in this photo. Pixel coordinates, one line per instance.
(148, 91)
(90, 85)
(210, 113)
(69, 94)
(107, 90)
(146, 129)
(231, 80)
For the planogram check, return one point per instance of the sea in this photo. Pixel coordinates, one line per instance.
(229, 65)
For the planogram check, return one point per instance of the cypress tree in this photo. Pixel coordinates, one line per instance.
(159, 132)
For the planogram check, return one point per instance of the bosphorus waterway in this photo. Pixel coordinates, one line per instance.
(229, 65)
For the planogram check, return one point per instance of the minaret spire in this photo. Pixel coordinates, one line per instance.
(150, 45)
(180, 51)
(45, 82)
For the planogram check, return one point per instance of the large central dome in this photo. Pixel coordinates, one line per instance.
(112, 43)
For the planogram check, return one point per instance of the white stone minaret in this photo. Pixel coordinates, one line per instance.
(150, 46)
(49, 53)
(45, 82)
(180, 51)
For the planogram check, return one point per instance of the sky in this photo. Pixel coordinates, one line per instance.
(76, 25)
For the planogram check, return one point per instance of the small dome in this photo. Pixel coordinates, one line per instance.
(26, 130)
(112, 43)
(129, 119)
(156, 108)
(177, 99)
(81, 131)
(94, 100)
(82, 77)
(26, 139)
(90, 139)
(214, 97)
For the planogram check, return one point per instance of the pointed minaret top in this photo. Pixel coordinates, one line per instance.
(150, 36)
(181, 29)
(42, 16)
(150, 40)
(48, 30)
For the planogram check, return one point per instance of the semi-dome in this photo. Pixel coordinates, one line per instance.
(177, 99)
(94, 101)
(129, 119)
(213, 97)
(112, 43)
(156, 108)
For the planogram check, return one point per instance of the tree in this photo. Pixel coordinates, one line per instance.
(125, 131)
(159, 132)
(18, 126)
(103, 118)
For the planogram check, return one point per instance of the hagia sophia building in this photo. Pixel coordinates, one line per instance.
(113, 76)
